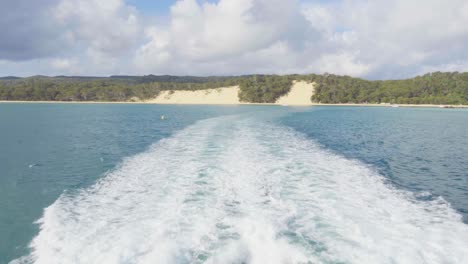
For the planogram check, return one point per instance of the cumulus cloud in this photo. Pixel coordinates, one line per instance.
(373, 39)
(26, 31)
(65, 35)
(398, 38)
(63, 64)
(225, 31)
(104, 26)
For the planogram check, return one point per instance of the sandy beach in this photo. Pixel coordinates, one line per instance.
(259, 104)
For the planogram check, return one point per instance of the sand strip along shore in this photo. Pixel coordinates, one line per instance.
(312, 104)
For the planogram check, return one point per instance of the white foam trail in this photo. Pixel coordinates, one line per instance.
(238, 190)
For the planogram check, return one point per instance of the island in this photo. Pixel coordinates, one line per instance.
(442, 89)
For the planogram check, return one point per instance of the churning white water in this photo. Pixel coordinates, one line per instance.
(241, 190)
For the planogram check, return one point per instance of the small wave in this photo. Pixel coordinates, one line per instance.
(34, 165)
(239, 190)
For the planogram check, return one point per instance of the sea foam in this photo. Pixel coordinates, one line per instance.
(241, 190)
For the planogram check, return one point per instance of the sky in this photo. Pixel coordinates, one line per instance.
(379, 39)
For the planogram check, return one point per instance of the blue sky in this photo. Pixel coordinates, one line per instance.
(163, 6)
(152, 6)
(379, 39)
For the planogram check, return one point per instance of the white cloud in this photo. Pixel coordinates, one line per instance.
(399, 36)
(342, 63)
(106, 26)
(61, 64)
(460, 66)
(222, 34)
(375, 39)
(227, 28)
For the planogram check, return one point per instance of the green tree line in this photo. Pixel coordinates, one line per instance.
(264, 88)
(99, 89)
(431, 88)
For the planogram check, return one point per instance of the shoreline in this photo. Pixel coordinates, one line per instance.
(299, 95)
(260, 104)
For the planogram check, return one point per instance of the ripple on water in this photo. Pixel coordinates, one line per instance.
(237, 190)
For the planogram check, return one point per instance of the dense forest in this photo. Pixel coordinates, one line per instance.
(264, 88)
(431, 88)
(112, 89)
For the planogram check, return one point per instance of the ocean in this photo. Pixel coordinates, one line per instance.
(114, 183)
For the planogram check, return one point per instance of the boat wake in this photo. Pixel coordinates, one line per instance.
(242, 190)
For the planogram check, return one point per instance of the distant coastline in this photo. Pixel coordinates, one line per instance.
(433, 89)
(240, 104)
(299, 95)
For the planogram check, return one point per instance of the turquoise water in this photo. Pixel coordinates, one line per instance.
(213, 184)
(423, 150)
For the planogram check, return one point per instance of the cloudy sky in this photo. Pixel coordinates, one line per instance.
(378, 39)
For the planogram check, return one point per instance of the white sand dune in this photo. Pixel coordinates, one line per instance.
(300, 94)
(225, 95)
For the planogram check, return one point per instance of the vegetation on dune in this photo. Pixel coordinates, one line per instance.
(264, 88)
(432, 88)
